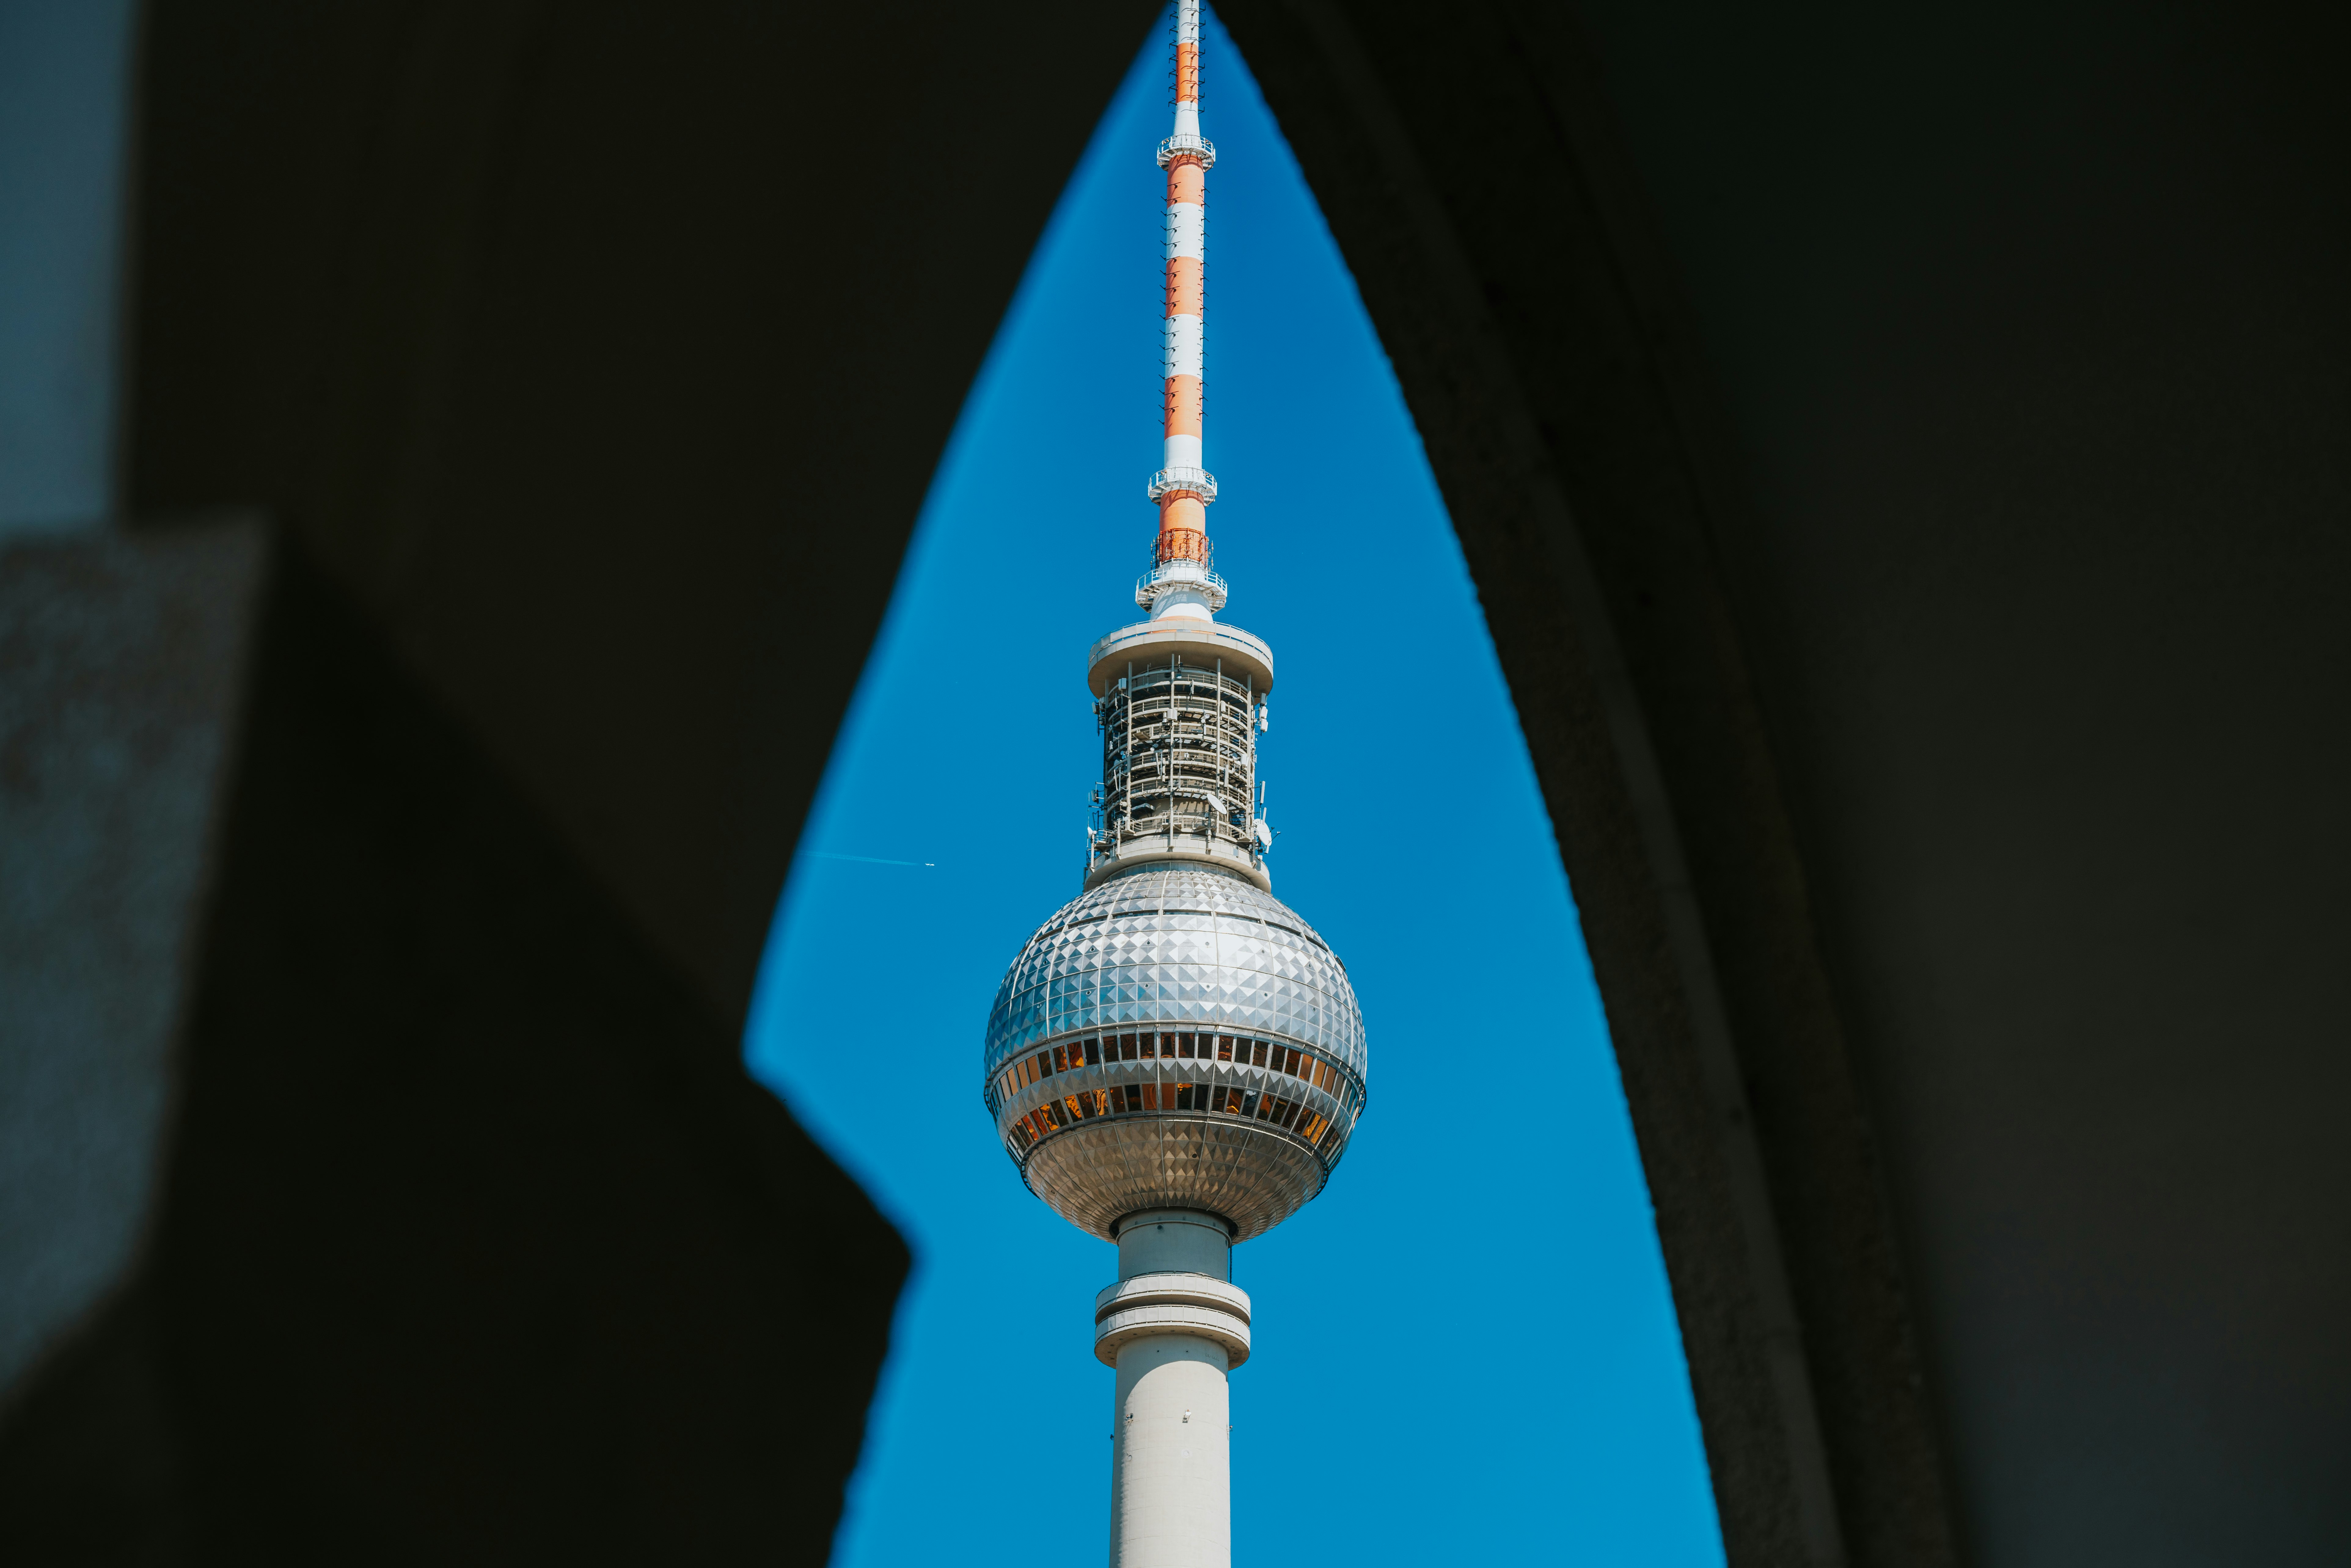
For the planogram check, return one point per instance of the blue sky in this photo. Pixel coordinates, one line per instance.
(1465, 1348)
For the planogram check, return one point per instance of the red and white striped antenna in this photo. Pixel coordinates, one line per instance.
(1181, 581)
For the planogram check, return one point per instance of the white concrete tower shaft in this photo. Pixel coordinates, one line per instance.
(1174, 1326)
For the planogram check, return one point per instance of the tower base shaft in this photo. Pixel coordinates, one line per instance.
(1171, 1455)
(1171, 1469)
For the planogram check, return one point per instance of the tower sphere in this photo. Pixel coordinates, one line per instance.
(1185, 1042)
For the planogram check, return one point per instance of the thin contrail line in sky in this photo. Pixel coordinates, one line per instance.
(869, 860)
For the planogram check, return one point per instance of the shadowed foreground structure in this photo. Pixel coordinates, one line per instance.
(389, 869)
(1904, 463)
(472, 1239)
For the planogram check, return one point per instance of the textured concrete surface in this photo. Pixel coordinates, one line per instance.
(65, 123)
(1903, 459)
(472, 1236)
(121, 665)
(2039, 391)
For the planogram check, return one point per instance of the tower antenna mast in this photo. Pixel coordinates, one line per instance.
(1182, 576)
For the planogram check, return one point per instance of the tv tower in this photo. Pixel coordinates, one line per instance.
(1175, 1061)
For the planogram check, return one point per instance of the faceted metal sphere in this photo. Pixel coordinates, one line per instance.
(1176, 1038)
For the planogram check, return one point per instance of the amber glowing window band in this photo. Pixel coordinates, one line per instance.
(1264, 1102)
(1295, 1061)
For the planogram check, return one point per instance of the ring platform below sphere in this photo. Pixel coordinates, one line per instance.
(1105, 1120)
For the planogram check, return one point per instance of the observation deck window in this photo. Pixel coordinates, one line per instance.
(1246, 1101)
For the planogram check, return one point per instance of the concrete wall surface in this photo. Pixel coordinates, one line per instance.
(1902, 457)
(65, 120)
(121, 665)
(471, 1235)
